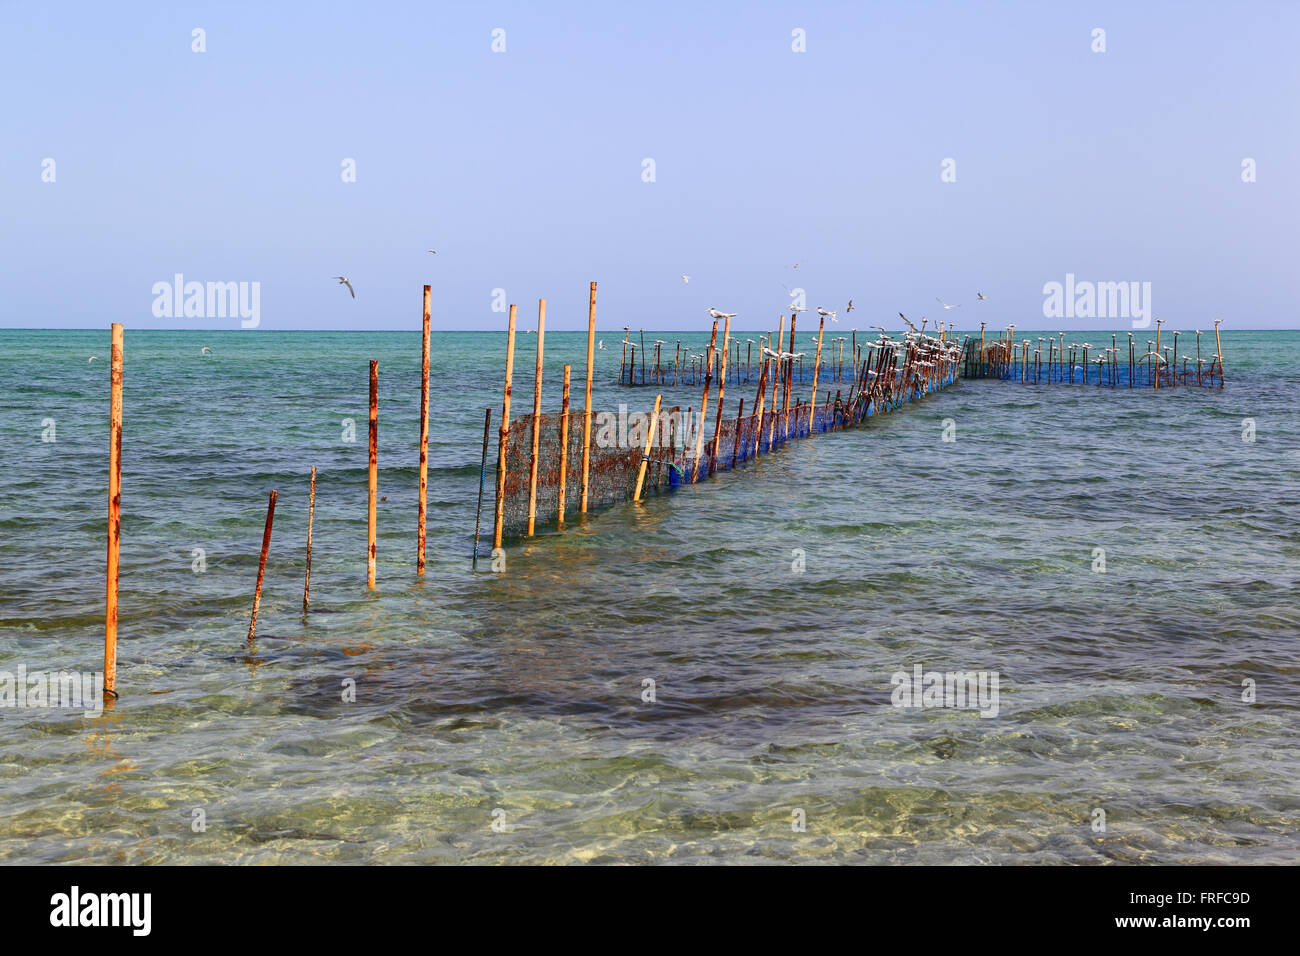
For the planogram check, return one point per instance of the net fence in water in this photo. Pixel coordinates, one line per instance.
(1053, 360)
(684, 449)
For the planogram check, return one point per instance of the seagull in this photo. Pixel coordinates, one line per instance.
(981, 296)
(92, 358)
(823, 312)
(432, 251)
(205, 350)
(946, 305)
(686, 280)
(601, 345)
(796, 308)
(344, 281)
(720, 315)
(907, 322)
(850, 308)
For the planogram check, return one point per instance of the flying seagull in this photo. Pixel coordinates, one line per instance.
(686, 280)
(850, 308)
(981, 296)
(945, 304)
(205, 350)
(601, 345)
(432, 251)
(347, 282)
(92, 358)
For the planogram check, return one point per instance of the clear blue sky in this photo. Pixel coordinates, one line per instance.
(524, 168)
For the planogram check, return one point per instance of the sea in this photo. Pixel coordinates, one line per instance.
(723, 673)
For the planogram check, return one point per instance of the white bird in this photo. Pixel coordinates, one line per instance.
(945, 304)
(907, 322)
(720, 315)
(850, 308)
(829, 315)
(344, 281)
(601, 345)
(686, 280)
(205, 350)
(981, 296)
(92, 358)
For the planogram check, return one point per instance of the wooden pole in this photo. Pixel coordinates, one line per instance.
(564, 444)
(722, 386)
(1157, 378)
(817, 367)
(586, 414)
(704, 404)
(114, 510)
(482, 472)
(645, 455)
(311, 517)
(261, 567)
(371, 512)
(1218, 348)
(504, 436)
(623, 362)
(424, 441)
(776, 380)
(537, 418)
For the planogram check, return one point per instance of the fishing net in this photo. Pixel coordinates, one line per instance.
(1076, 363)
(684, 450)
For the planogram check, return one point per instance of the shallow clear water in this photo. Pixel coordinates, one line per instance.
(523, 691)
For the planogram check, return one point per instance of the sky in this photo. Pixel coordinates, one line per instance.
(526, 168)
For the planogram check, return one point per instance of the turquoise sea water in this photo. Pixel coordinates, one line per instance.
(522, 692)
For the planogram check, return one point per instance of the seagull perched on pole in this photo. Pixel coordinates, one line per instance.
(829, 315)
(720, 315)
(347, 282)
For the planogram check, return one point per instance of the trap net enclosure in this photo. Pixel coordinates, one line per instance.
(612, 472)
(677, 449)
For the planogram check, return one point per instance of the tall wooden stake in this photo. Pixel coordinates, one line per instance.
(371, 513)
(311, 517)
(722, 386)
(537, 418)
(586, 413)
(482, 472)
(261, 567)
(704, 404)
(424, 441)
(498, 519)
(817, 367)
(564, 443)
(114, 510)
(645, 455)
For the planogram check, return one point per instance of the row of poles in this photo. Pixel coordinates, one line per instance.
(498, 529)
(115, 497)
(899, 368)
(888, 371)
(1158, 366)
(688, 367)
